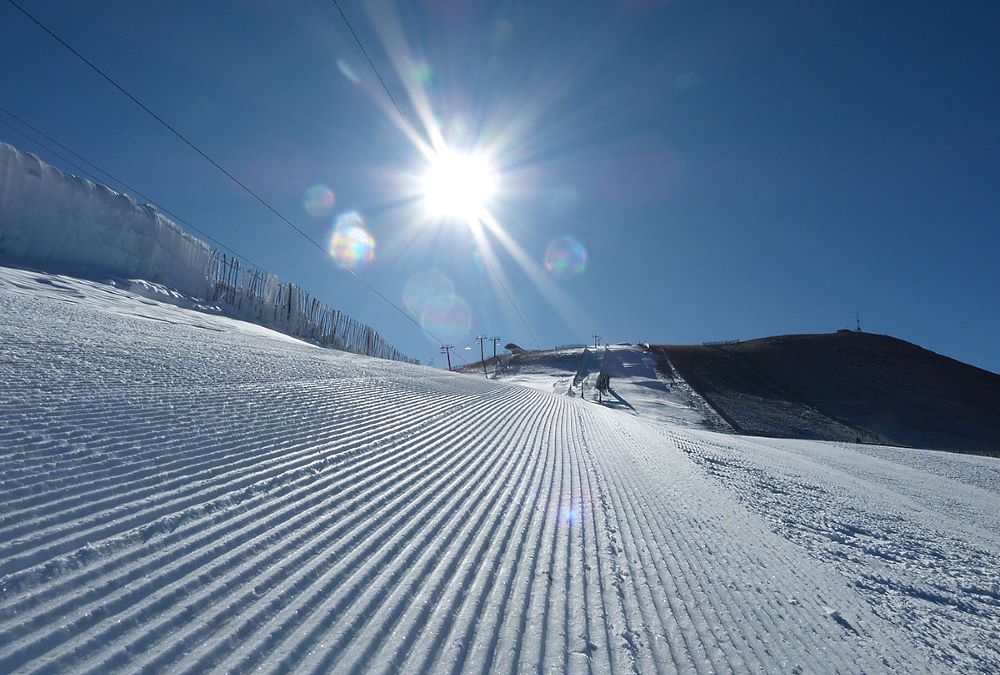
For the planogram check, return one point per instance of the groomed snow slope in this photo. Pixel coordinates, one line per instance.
(637, 386)
(182, 492)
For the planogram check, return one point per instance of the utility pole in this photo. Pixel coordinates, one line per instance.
(446, 349)
(482, 357)
(597, 341)
(496, 361)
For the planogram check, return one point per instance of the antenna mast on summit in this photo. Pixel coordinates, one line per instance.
(857, 318)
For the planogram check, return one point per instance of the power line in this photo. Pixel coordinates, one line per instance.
(409, 126)
(164, 123)
(214, 163)
(510, 299)
(108, 174)
(378, 75)
(55, 153)
(127, 187)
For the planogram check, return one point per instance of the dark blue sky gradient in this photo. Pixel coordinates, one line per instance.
(735, 169)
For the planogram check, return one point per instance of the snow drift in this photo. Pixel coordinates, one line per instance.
(57, 221)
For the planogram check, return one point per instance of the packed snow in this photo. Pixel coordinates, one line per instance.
(643, 383)
(56, 221)
(185, 492)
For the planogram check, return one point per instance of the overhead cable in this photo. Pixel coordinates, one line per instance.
(216, 164)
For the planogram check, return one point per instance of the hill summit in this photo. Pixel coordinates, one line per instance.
(847, 385)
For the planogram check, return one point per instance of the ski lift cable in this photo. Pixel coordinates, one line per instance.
(90, 174)
(214, 163)
(406, 121)
(371, 64)
(108, 176)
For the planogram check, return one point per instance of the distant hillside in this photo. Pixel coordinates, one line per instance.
(846, 386)
(565, 361)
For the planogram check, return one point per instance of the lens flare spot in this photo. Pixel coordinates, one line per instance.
(423, 73)
(572, 509)
(502, 31)
(318, 201)
(350, 244)
(565, 257)
(449, 318)
(431, 297)
(458, 131)
(348, 72)
(426, 288)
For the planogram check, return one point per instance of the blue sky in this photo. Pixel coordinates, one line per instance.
(732, 169)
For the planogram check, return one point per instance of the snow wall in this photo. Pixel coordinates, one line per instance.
(59, 222)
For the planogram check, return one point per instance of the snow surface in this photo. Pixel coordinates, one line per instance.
(183, 492)
(637, 385)
(54, 221)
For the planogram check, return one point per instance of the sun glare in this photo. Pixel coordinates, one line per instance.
(459, 185)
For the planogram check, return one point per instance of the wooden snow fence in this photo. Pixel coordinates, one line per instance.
(260, 297)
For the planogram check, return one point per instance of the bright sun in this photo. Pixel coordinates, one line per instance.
(458, 185)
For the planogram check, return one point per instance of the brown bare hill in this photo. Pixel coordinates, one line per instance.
(846, 386)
